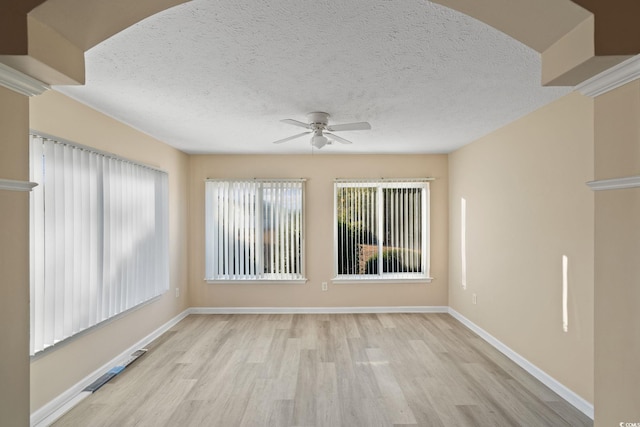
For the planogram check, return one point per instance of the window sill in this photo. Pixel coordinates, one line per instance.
(344, 281)
(257, 282)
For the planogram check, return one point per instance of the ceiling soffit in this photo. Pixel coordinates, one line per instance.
(540, 24)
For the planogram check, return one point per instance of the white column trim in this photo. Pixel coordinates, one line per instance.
(13, 185)
(610, 79)
(615, 183)
(20, 82)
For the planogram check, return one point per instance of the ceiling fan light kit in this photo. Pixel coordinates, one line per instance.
(318, 124)
(318, 140)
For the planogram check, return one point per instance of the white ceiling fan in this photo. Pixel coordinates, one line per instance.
(319, 126)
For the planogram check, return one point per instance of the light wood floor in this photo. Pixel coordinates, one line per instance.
(323, 370)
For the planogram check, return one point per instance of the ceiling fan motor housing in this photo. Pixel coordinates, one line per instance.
(318, 120)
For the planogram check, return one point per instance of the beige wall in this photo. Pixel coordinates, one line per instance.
(527, 206)
(57, 115)
(617, 270)
(616, 281)
(320, 170)
(14, 262)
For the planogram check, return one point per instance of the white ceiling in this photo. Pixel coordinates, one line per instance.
(216, 76)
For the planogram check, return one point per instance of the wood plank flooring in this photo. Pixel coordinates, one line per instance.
(323, 370)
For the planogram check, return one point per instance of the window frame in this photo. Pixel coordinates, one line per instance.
(264, 278)
(381, 185)
(106, 298)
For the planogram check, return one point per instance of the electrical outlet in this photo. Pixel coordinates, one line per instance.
(474, 298)
(324, 286)
(177, 292)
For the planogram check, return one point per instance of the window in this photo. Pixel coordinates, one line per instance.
(254, 230)
(99, 238)
(381, 230)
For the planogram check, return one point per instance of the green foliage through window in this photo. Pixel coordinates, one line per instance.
(381, 229)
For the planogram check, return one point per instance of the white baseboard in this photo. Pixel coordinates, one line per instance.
(317, 310)
(49, 413)
(53, 410)
(568, 395)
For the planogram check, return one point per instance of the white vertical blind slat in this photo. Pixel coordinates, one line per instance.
(128, 294)
(259, 233)
(94, 219)
(404, 259)
(224, 226)
(60, 242)
(425, 229)
(272, 240)
(251, 206)
(49, 253)
(245, 229)
(237, 212)
(409, 238)
(382, 238)
(286, 254)
(221, 227)
(278, 230)
(77, 280)
(82, 240)
(298, 203)
(37, 245)
(209, 231)
(351, 260)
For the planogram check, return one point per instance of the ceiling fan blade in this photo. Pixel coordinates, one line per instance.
(338, 138)
(350, 126)
(296, 123)
(280, 141)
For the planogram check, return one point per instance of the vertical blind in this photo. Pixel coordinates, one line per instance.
(99, 238)
(381, 229)
(254, 230)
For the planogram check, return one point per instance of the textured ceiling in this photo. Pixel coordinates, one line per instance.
(217, 76)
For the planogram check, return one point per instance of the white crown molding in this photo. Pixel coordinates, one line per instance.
(20, 82)
(615, 183)
(612, 78)
(12, 185)
(574, 399)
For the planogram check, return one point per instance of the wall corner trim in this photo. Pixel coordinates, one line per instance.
(574, 399)
(619, 75)
(20, 82)
(12, 185)
(615, 183)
